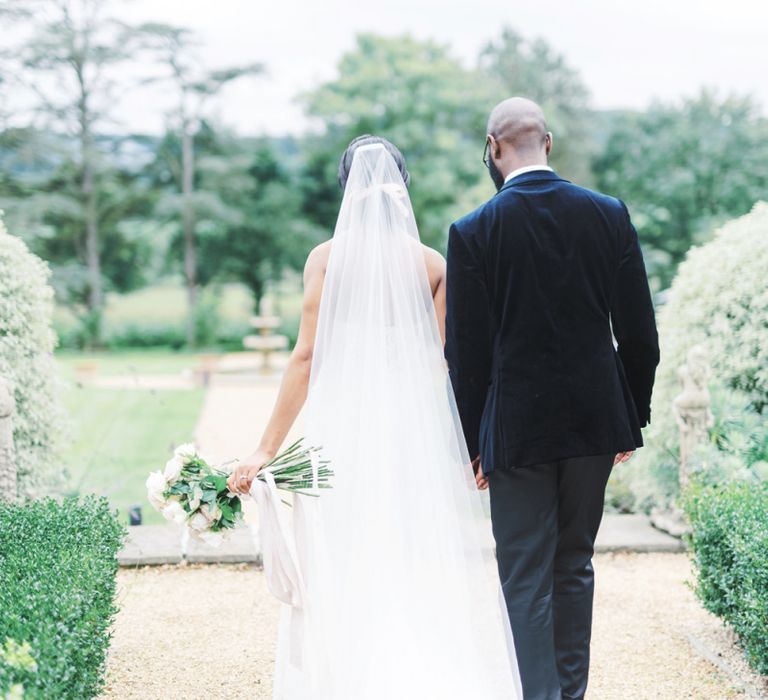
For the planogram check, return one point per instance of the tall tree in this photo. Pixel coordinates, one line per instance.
(270, 234)
(195, 86)
(514, 65)
(683, 169)
(66, 62)
(420, 97)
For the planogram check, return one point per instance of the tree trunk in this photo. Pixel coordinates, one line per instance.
(93, 260)
(188, 225)
(90, 215)
(256, 285)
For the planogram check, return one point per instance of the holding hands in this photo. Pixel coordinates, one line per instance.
(480, 478)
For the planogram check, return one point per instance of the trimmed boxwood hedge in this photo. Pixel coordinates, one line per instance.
(730, 549)
(58, 571)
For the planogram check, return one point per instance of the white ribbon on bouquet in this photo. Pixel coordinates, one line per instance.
(281, 566)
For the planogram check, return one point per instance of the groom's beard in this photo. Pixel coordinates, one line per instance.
(495, 173)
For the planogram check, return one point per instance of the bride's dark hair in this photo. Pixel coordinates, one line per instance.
(346, 158)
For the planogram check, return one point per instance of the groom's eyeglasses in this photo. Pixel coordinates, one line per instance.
(486, 155)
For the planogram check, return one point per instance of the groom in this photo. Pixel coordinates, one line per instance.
(541, 279)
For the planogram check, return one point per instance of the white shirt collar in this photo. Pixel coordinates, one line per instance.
(526, 169)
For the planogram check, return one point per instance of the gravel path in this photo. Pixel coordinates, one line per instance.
(209, 632)
(192, 631)
(644, 612)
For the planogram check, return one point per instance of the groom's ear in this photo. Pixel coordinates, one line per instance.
(548, 142)
(495, 148)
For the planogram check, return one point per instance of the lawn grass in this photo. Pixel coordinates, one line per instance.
(164, 303)
(119, 435)
(168, 302)
(129, 362)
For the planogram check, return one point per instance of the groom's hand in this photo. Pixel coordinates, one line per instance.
(480, 478)
(622, 457)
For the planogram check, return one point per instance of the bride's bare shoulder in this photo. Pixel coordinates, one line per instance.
(433, 256)
(317, 260)
(435, 265)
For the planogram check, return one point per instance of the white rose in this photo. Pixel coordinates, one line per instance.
(194, 499)
(198, 522)
(185, 451)
(175, 512)
(212, 512)
(156, 485)
(214, 539)
(173, 468)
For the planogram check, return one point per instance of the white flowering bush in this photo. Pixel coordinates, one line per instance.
(26, 359)
(719, 299)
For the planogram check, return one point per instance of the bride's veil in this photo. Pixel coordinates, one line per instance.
(403, 595)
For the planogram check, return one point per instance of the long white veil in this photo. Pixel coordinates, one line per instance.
(402, 595)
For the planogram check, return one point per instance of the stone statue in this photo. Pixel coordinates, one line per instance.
(8, 486)
(692, 409)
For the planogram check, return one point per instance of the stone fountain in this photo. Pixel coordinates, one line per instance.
(264, 341)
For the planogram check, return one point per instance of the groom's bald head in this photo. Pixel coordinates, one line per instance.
(517, 135)
(519, 122)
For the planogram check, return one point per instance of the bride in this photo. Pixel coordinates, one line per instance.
(400, 598)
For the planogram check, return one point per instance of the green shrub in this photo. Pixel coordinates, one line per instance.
(26, 359)
(57, 590)
(719, 299)
(730, 551)
(228, 335)
(148, 335)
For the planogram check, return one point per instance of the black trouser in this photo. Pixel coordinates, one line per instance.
(545, 520)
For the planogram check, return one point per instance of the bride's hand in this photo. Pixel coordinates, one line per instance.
(240, 479)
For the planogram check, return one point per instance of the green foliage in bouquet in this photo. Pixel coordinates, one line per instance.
(58, 572)
(213, 490)
(190, 491)
(730, 550)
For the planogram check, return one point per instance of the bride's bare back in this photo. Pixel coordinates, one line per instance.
(314, 274)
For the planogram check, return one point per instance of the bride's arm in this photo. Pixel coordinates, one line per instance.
(436, 272)
(439, 297)
(436, 267)
(293, 388)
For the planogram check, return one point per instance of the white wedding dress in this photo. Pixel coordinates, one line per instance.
(400, 596)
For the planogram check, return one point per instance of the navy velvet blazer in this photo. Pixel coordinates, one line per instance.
(541, 278)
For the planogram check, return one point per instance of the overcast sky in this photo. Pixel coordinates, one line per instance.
(628, 52)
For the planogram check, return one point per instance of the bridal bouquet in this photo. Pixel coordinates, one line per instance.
(191, 492)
